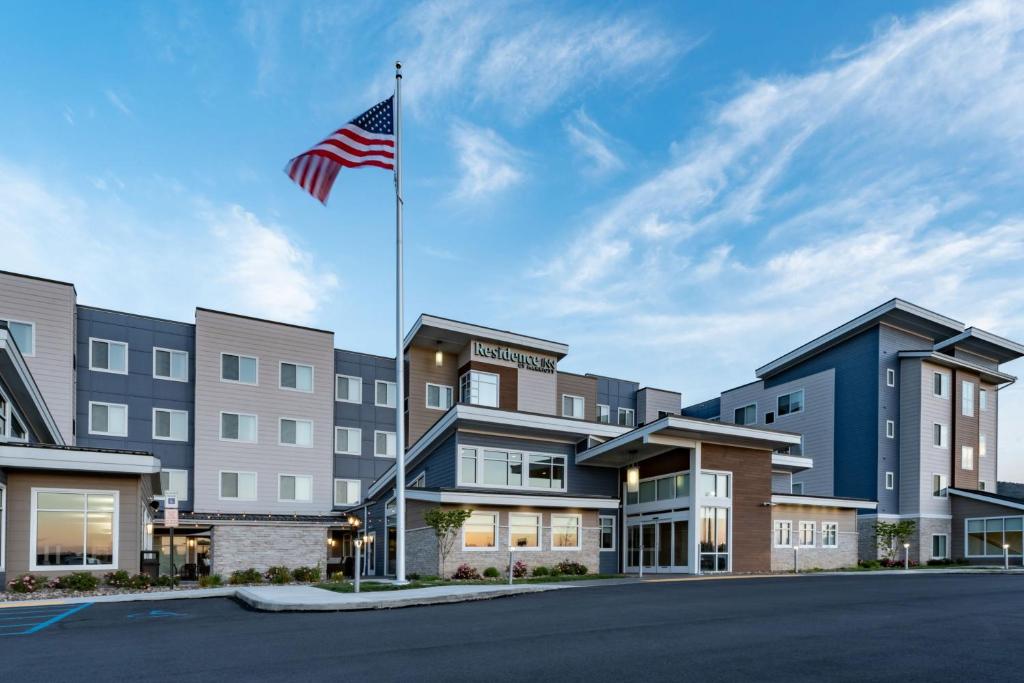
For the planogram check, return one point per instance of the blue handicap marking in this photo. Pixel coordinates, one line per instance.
(24, 621)
(154, 614)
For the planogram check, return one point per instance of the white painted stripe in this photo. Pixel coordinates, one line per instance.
(352, 157)
(349, 142)
(367, 134)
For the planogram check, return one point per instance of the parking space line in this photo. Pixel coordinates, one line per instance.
(55, 619)
(35, 620)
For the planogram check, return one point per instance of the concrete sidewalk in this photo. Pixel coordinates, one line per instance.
(312, 599)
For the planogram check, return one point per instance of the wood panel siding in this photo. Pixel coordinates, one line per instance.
(423, 370)
(965, 431)
(578, 385)
(751, 489)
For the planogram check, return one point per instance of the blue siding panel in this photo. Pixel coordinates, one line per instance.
(705, 410)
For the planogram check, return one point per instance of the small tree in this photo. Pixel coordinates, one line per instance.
(446, 525)
(890, 536)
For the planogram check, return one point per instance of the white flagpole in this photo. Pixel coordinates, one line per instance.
(399, 344)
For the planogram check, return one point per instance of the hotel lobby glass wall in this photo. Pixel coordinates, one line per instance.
(660, 543)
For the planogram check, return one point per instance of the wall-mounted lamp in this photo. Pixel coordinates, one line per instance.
(438, 356)
(149, 528)
(633, 479)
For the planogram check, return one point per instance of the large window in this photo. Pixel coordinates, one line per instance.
(24, 335)
(940, 435)
(108, 419)
(170, 364)
(604, 415)
(480, 532)
(627, 417)
(565, 531)
(713, 484)
(524, 531)
(714, 539)
(239, 369)
(108, 356)
(660, 488)
(348, 440)
(940, 384)
(348, 389)
(295, 432)
(829, 534)
(747, 415)
(967, 399)
(238, 427)
(439, 396)
(385, 394)
(512, 469)
(297, 377)
(940, 546)
(174, 482)
(985, 537)
(296, 488)
(967, 458)
(790, 403)
(385, 444)
(170, 425)
(807, 531)
(607, 540)
(573, 406)
(347, 492)
(238, 485)
(783, 533)
(73, 528)
(479, 388)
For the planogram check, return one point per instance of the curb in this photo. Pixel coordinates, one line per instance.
(254, 600)
(186, 594)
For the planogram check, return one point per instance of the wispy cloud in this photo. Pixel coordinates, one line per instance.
(488, 163)
(261, 23)
(592, 143)
(69, 115)
(118, 103)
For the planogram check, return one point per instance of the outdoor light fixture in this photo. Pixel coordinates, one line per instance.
(191, 543)
(633, 479)
(149, 528)
(438, 356)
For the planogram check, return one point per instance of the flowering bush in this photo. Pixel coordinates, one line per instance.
(77, 581)
(26, 583)
(465, 572)
(519, 569)
(570, 567)
(279, 575)
(118, 579)
(168, 581)
(306, 574)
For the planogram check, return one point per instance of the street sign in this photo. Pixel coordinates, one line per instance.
(171, 501)
(171, 518)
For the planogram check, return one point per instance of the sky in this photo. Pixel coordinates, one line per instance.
(681, 192)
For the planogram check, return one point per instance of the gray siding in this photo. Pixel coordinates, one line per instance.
(975, 358)
(930, 458)
(616, 393)
(650, 401)
(989, 424)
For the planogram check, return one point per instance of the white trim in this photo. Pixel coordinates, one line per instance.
(619, 412)
(744, 409)
(988, 499)
(220, 427)
(240, 356)
(579, 531)
(384, 455)
(777, 526)
(964, 450)
(600, 531)
(480, 468)
(800, 533)
(108, 342)
(255, 485)
(793, 462)
(890, 481)
(48, 458)
(171, 352)
(296, 477)
(791, 499)
(890, 429)
(181, 495)
(312, 376)
(890, 377)
(835, 527)
(296, 420)
(171, 411)
(468, 399)
(33, 529)
(441, 388)
(334, 492)
(931, 550)
(22, 322)
(583, 406)
(539, 526)
(8, 346)
(511, 499)
(384, 381)
(470, 330)
(109, 405)
(3, 524)
(803, 403)
(358, 382)
(475, 549)
(359, 440)
(608, 410)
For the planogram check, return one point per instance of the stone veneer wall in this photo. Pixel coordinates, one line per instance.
(241, 546)
(920, 541)
(816, 557)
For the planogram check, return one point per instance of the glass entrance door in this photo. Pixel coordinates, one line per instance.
(662, 546)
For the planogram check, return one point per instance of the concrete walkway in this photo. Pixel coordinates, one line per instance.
(311, 599)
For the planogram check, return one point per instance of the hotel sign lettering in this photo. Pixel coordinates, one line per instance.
(528, 361)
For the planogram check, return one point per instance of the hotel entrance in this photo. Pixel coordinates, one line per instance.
(660, 544)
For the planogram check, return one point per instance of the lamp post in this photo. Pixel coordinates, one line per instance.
(353, 522)
(357, 571)
(906, 556)
(1006, 556)
(511, 549)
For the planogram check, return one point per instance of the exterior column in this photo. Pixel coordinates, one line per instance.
(696, 496)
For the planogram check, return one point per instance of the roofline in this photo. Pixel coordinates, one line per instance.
(823, 501)
(25, 375)
(77, 460)
(988, 498)
(794, 462)
(984, 336)
(953, 361)
(39, 278)
(135, 315)
(262, 320)
(832, 336)
(515, 338)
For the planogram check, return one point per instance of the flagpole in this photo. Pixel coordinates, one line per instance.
(399, 344)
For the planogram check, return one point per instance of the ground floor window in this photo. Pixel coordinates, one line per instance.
(783, 533)
(607, 533)
(985, 537)
(524, 531)
(72, 528)
(939, 546)
(565, 531)
(829, 535)
(714, 539)
(807, 531)
(480, 531)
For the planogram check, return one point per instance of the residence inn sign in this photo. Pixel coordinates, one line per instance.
(528, 361)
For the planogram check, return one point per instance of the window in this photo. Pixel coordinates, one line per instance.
(108, 419)
(790, 403)
(939, 486)
(967, 458)
(108, 356)
(480, 532)
(783, 533)
(295, 432)
(604, 415)
(297, 377)
(239, 369)
(890, 377)
(607, 526)
(348, 440)
(439, 396)
(238, 485)
(170, 425)
(982, 446)
(940, 384)
(769, 417)
(829, 534)
(384, 444)
(24, 335)
(11, 425)
(807, 531)
(524, 531)
(479, 388)
(940, 543)
(940, 435)
(890, 429)
(74, 528)
(174, 482)
(747, 415)
(565, 532)
(294, 487)
(967, 399)
(385, 394)
(986, 536)
(714, 485)
(627, 417)
(419, 482)
(348, 389)
(572, 406)
(238, 427)
(347, 492)
(170, 364)
(983, 400)
(890, 481)
(797, 487)
(512, 469)
(981, 486)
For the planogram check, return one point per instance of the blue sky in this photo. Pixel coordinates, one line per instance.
(680, 192)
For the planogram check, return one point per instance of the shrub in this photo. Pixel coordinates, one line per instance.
(242, 576)
(555, 571)
(519, 569)
(886, 562)
(26, 583)
(118, 579)
(141, 581)
(869, 564)
(167, 581)
(306, 574)
(465, 572)
(78, 581)
(492, 573)
(279, 575)
(541, 571)
(570, 568)
(211, 581)
(413, 576)
(337, 577)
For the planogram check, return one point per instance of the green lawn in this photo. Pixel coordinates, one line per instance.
(369, 585)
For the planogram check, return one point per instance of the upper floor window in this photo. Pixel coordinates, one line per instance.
(24, 335)
(238, 427)
(348, 389)
(967, 399)
(385, 394)
(713, 484)
(890, 481)
(890, 429)
(385, 444)
(174, 482)
(890, 377)
(939, 486)
(790, 403)
(439, 396)
(348, 440)
(627, 417)
(572, 406)
(347, 492)
(108, 356)
(296, 432)
(747, 415)
(240, 369)
(170, 425)
(170, 364)
(967, 458)
(512, 469)
(238, 485)
(940, 435)
(479, 388)
(982, 446)
(604, 414)
(660, 489)
(940, 384)
(983, 400)
(294, 487)
(108, 419)
(11, 425)
(297, 377)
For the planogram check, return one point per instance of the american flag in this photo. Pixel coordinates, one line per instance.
(366, 140)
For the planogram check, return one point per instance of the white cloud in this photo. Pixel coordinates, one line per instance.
(488, 163)
(592, 143)
(260, 24)
(118, 103)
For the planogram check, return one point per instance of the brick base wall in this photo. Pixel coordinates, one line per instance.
(261, 547)
(920, 541)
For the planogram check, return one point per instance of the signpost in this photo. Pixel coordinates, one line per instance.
(171, 522)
